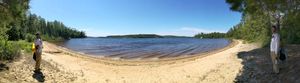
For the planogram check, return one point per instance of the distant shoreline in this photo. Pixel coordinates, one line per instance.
(142, 36)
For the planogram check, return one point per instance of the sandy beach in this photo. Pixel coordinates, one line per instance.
(63, 65)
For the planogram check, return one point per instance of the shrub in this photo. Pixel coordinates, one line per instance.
(9, 50)
(24, 45)
(29, 37)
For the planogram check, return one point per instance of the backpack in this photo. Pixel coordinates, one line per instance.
(33, 48)
(34, 56)
(282, 54)
(33, 51)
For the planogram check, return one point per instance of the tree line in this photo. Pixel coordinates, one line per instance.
(48, 29)
(18, 25)
(210, 35)
(136, 36)
(259, 15)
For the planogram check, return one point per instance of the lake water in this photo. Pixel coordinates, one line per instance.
(144, 48)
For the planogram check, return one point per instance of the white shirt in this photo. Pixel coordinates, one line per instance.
(275, 43)
(40, 43)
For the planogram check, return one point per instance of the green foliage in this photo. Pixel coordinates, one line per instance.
(12, 13)
(173, 36)
(236, 5)
(17, 25)
(210, 35)
(253, 29)
(14, 33)
(136, 36)
(290, 31)
(23, 45)
(259, 16)
(51, 30)
(9, 50)
(52, 39)
(29, 37)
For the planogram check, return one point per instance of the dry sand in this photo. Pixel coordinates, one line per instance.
(257, 66)
(62, 65)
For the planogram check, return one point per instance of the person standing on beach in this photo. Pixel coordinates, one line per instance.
(274, 48)
(38, 51)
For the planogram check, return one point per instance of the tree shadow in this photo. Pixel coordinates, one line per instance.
(3, 67)
(39, 76)
(258, 67)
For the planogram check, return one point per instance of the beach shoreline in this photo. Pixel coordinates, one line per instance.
(217, 66)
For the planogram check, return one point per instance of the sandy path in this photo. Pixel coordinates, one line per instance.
(221, 67)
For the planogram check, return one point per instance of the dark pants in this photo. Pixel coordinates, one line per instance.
(38, 60)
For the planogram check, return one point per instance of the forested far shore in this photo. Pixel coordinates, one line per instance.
(145, 36)
(210, 35)
(18, 28)
(136, 36)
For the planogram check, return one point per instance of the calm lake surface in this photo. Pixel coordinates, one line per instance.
(144, 48)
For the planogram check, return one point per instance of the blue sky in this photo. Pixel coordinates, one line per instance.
(119, 17)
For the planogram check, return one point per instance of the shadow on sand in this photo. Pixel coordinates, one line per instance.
(258, 67)
(3, 67)
(39, 76)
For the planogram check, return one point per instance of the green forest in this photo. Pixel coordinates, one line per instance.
(210, 35)
(18, 26)
(259, 15)
(136, 36)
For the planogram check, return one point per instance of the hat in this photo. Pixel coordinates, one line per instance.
(37, 33)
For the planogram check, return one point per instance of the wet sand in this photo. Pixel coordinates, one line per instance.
(63, 65)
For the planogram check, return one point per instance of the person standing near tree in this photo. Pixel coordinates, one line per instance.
(274, 48)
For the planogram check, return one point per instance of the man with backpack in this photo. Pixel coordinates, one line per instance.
(274, 48)
(37, 56)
